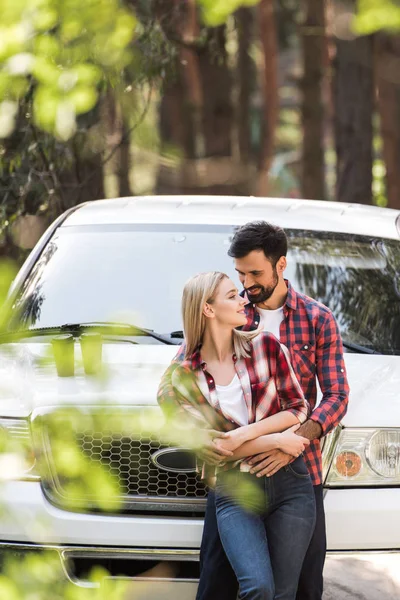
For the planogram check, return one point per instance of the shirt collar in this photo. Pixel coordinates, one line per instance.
(195, 361)
(291, 298)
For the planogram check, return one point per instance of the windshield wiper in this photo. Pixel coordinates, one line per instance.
(177, 334)
(358, 348)
(78, 328)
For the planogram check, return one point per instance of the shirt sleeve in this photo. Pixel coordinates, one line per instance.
(166, 394)
(290, 394)
(332, 378)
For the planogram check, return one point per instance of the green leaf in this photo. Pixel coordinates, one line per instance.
(8, 589)
(45, 105)
(83, 99)
(46, 71)
(45, 19)
(216, 12)
(87, 74)
(47, 45)
(376, 15)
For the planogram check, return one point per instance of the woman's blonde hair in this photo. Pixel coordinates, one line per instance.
(198, 291)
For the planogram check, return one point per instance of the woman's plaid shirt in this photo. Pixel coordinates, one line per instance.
(311, 334)
(268, 382)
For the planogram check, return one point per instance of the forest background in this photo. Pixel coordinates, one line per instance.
(107, 98)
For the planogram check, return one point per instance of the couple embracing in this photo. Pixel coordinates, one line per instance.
(247, 374)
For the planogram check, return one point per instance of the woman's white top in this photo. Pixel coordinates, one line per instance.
(232, 402)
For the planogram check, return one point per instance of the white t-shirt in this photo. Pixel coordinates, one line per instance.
(271, 320)
(232, 402)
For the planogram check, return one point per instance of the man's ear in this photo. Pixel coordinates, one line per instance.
(208, 311)
(281, 265)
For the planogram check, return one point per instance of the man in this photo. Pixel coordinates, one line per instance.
(309, 331)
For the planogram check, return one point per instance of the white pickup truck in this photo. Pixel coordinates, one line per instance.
(126, 260)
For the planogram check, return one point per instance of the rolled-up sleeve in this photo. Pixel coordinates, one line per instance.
(332, 377)
(291, 396)
(166, 394)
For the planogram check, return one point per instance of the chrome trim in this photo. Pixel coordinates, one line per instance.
(19, 428)
(163, 451)
(145, 553)
(397, 222)
(66, 552)
(328, 449)
(148, 503)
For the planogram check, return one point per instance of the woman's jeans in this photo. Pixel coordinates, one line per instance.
(265, 525)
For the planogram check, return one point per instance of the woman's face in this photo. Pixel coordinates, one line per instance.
(228, 306)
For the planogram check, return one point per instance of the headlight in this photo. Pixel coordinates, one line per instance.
(362, 457)
(17, 459)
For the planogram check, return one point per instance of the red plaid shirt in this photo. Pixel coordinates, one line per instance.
(267, 378)
(311, 334)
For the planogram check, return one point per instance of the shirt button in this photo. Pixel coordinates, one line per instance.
(306, 347)
(342, 370)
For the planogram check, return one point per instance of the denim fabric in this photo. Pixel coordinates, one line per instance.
(311, 581)
(265, 542)
(217, 578)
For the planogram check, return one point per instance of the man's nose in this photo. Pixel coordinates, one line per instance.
(248, 281)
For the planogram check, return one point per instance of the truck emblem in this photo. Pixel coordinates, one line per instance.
(175, 460)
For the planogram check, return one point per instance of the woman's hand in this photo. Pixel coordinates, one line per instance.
(209, 449)
(231, 441)
(290, 442)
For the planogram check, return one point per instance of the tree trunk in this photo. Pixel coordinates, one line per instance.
(84, 180)
(124, 162)
(388, 81)
(354, 104)
(269, 44)
(312, 108)
(197, 118)
(245, 67)
(117, 145)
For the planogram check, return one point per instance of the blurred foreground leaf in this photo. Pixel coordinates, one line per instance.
(59, 52)
(216, 12)
(376, 15)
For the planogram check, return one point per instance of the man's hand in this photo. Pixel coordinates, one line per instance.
(268, 463)
(209, 451)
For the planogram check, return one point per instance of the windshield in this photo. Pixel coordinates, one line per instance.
(136, 274)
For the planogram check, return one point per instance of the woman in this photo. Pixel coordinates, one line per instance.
(243, 383)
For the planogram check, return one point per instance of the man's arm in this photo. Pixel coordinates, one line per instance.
(332, 378)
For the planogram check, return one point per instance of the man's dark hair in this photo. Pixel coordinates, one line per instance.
(259, 235)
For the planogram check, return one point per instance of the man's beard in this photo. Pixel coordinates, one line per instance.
(263, 293)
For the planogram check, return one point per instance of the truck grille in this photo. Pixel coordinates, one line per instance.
(129, 461)
(125, 459)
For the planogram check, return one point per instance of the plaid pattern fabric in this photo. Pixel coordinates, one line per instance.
(311, 334)
(267, 378)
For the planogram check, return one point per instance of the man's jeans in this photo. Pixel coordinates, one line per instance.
(218, 581)
(265, 525)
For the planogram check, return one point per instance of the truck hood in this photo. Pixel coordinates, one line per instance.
(133, 372)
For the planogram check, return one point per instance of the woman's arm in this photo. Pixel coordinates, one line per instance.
(273, 424)
(287, 441)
